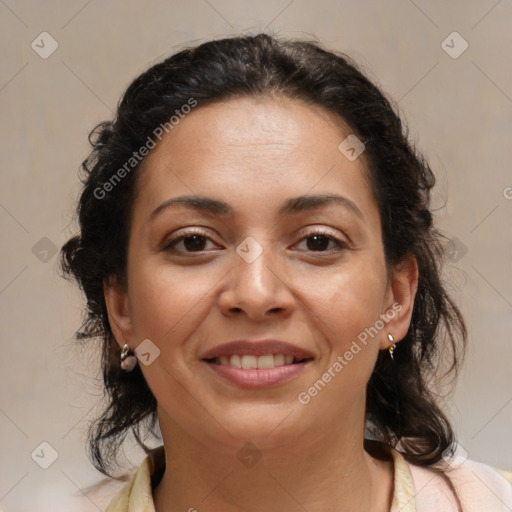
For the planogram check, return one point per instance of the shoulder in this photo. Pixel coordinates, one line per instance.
(137, 494)
(466, 485)
(507, 475)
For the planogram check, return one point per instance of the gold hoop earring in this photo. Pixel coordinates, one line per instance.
(392, 347)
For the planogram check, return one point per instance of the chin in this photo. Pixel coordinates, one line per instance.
(265, 425)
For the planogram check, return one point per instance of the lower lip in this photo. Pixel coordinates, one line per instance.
(254, 378)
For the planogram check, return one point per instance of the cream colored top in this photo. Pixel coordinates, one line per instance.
(480, 487)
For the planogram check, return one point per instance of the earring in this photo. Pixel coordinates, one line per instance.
(128, 359)
(392, 347)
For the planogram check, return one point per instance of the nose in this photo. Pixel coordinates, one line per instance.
(259, 289)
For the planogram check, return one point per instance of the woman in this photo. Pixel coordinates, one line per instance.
(259, 259)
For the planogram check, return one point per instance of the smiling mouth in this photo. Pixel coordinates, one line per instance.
(252, 362)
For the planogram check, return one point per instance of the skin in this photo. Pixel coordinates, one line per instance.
(254, 154)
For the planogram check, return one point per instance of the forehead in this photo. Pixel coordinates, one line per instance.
(271, 147)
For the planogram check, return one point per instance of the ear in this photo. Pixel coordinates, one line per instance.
(118, 309)
(400, 300)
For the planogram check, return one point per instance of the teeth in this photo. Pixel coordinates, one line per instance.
(278, 360)
(248, 362)
(266, 361)
(235, 361)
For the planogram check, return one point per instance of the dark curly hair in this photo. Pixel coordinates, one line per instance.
(402, 407)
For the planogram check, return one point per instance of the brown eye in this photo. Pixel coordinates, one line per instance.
(189, 243)
(321, 242)
(318, 242)
(194, 242)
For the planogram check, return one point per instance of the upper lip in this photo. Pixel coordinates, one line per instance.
(257, 348)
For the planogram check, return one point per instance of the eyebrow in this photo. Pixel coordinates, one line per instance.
(293, 205)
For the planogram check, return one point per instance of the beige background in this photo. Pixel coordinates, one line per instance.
(459, 112)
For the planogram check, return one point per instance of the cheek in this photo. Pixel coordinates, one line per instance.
(347, 301)
(346, 310)
(168, 304)
(345, 320)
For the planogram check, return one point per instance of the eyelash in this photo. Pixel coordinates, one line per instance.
(170, 246)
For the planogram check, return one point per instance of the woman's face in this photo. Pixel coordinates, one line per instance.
(250, 226)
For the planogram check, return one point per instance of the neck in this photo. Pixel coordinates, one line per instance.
(327, 471)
